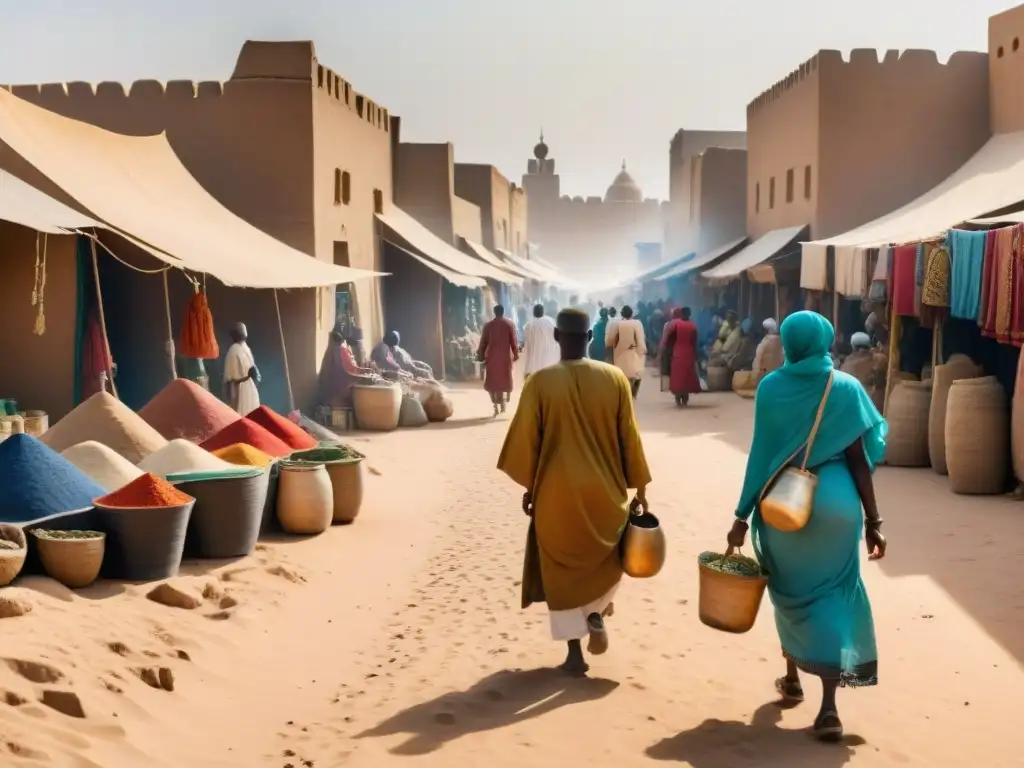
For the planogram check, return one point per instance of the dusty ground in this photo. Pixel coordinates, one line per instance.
(399, 640)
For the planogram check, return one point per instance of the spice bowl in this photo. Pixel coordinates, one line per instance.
(144, 543)
(74, 558)
(13, 549)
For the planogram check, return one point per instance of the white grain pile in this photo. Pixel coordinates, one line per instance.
(182, 456)
(106, 466)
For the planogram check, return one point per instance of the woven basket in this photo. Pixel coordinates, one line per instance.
(12, 560)
(74, 562)
(719, 378)
(346, 473)
(377, 407)
(305, 500)
(977, 436)
(729, 602)
(957, 367)
(228, 512)
(744, 383)
(908, 424)
(144, 543)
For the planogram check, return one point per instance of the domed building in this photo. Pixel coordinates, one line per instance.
(624, 189)
(591, 239)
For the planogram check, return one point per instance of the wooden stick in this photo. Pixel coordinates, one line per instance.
(103, 318)
(170, 328)
(284, 354)
(895, 331)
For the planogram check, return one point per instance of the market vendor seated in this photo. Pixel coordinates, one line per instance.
(729, 337)
(743, 358)
(417, 368)
(383, 356)
(339, 371)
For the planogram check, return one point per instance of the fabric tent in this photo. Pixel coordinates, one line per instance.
(703, 260)
(453, 277)
(765, 247)
(139, 188)
(485, 255)
(23, 204)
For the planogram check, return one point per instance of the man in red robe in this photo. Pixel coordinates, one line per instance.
(499, 348)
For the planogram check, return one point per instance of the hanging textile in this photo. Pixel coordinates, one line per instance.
(95, 360)
(967, 260)
(988, 262)
(935, 291)
(879, 290)
(999, 309)
(904, 283)
(851, 272)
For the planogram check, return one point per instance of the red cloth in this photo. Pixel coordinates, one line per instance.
(904, 280)
(1017, 288)
(95, 359)
(680, 336)
(348, 360)
(499, 348)
(988, 273)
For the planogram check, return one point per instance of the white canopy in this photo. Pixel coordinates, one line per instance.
(762, 249)
(702, 260)
(138, 187)
(992, 179)
(23, 204)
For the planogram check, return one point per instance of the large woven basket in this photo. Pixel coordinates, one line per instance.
(305, 500)
(12, 560)
(377, 407)
(345, 468)
(957, 367)
(729, 602)
(744, 383)
(977, 436)
(74, 562)
(909, 404)
(719, 378)
(144, 543)
(228, 512)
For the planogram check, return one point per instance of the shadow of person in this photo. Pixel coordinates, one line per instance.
(728, 744)
(499, 700)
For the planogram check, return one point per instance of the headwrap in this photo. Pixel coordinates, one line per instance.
(860, 340)
(747, 326)
(770, 326)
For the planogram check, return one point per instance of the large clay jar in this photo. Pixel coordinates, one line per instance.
(956, 368)
(977, 436)
(305, 499)
(377, 407)
(908, 424)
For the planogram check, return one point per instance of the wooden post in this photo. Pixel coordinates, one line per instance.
(284, 354)
(895, 331)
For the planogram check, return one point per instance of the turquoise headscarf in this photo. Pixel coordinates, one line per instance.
(787, 402)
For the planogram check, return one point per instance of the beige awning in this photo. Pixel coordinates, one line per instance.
(464, 281)
(991, 180)
(702, 260)
(537, 271)
(23, 204)
(484, 255)
(138, 187)
(765, 247)
(418, 238)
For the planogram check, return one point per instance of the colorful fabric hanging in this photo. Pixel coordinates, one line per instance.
(967, 261)
(198, 338)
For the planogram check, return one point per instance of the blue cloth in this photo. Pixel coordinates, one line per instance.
(822, 611)
(747, 326)
(597, 342)
(967, 260)
(705, 326)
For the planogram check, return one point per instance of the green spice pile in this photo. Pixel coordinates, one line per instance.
(736, 565)
(327, 452)
(68, 535)
(9, 546)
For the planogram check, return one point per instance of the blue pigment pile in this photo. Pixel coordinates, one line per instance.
(36, 482)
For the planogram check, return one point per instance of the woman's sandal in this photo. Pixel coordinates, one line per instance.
(828, 726)
(789, 690)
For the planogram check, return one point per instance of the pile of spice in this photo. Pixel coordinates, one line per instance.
(181, 456)
(328, 452)
(105, 419)
(735, 565)
(104, 465)
(185, 410)
(145, 492)
(244, 455)
(277, 425)
(250, 433)
(37, 482)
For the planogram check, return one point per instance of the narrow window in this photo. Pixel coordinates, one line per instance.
(337, 186)
(789, 185)
(771, 193)
(807, 182)
(757, 197)
(346, 187)
(378, 201)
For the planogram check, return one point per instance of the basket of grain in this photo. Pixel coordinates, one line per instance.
(731, 588)
(74, 558)
(13, 549)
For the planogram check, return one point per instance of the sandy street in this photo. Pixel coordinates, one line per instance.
(399, 640)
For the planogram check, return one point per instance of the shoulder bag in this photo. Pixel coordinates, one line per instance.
(788, 496)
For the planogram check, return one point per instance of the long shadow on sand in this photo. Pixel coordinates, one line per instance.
(461, 423)
(499, 700)
(730, 744)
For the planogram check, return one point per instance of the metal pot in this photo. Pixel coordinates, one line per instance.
(643, 546)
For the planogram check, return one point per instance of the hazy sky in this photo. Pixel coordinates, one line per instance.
(606, 80)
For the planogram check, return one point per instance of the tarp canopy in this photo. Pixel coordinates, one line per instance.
(1017, 217)
(138, 187)
(418, 238)
(991, 180)
(455, 278)
(765, 247)
(483, 254)
(540, 272)
(701, 261)
(23, 204)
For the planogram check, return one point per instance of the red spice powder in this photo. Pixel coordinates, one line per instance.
(282, 428)
(145, 491)
(250, 433)
(185, 410)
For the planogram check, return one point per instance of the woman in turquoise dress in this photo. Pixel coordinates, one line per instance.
(822, 611)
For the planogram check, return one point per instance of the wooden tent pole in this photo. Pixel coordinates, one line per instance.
(895, 331)
(284, 354)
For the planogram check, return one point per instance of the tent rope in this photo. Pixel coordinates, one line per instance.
(284, 354)
(170, 329)
(39, 288)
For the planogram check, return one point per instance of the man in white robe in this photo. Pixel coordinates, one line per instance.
(241, 376)
(539, 346)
